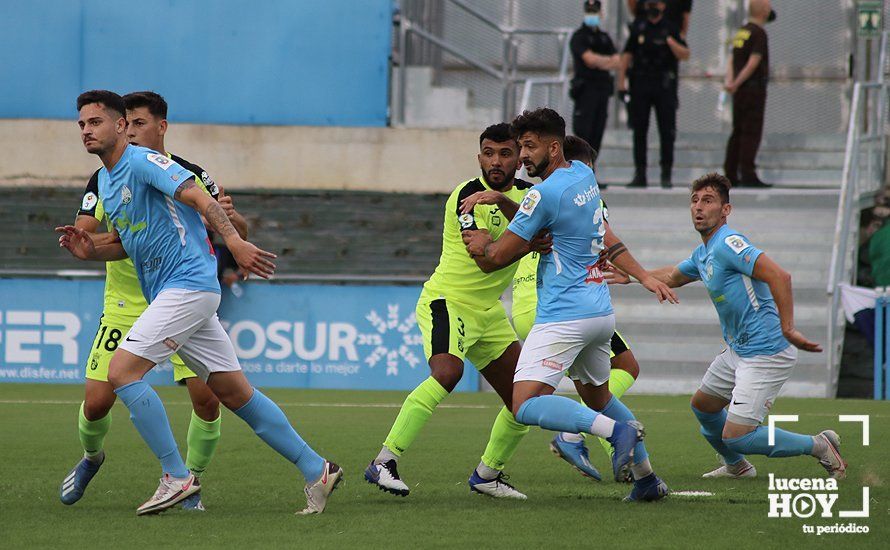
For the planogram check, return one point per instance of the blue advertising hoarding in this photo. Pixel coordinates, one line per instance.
(285, 335)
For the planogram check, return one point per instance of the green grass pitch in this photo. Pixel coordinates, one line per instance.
(251, 494)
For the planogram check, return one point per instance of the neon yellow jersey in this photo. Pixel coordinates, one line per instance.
(123, 300)
(457, 277)
(525, 280)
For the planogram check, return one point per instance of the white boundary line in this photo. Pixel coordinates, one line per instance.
(341, 405)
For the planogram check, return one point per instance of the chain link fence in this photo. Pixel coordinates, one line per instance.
(814, 55)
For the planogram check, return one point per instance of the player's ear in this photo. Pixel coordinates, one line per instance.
(162, 127)
(121, 125)
(727, 210)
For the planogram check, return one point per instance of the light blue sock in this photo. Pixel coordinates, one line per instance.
(618, 411)
(560, 414)
(712, 429)
(269, 422)
(756, 443)
(148, 415)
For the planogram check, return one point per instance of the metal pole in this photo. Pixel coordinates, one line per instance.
(880, 348)
(403, 69)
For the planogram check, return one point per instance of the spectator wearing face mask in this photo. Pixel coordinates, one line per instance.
(594, 55)
(651, 59)
(675, 11)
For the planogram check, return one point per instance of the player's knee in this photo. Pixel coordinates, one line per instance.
(207, 408)
(629, 364)
(448, 376)
(97, 408)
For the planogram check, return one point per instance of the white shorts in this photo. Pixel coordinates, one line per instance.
(750, 384)
(183, 322)
(581, 347)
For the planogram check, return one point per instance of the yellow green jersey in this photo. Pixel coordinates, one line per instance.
(457, 277)
(123, 300)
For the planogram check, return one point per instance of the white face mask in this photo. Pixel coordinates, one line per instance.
(592, 20)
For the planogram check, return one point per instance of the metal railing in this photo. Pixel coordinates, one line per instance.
(507, 72)
(863, 174)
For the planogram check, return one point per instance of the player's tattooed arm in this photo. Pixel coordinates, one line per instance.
(249, 258)
(493, 255)
(621, 258)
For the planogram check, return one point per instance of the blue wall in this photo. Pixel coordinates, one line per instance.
(295, 62)
(289, 336)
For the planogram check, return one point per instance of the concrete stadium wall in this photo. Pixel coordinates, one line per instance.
(41, 152)
(272, 62)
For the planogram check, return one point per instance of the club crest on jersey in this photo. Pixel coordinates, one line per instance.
(126, 195)
(466, 220)
(530, 202)
(709, 270)
(89, 201)
(736, 242)
(159, 160)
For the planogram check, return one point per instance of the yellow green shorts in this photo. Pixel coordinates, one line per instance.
(107, 339)
(450, 327)
(524, 320)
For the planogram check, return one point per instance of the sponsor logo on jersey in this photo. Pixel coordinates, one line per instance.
(159, 160)
(466, 220)
(89, 201)
(530, 202)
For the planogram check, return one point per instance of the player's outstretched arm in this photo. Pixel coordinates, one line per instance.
(249, 258)
(493, 255)
(81, 245)
(779, 281)
(671, 276)
(620, 256)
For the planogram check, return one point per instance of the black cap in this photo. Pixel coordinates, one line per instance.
(592, 6)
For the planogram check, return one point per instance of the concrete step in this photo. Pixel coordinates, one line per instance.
(767, 159)
(682, 176)
(717, 141)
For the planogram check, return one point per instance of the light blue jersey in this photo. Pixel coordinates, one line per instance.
(747, 312)
(570, 284)
(165, 239)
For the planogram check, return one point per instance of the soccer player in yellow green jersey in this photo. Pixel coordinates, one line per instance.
(625, 368)
(123, 303)
(460, 316)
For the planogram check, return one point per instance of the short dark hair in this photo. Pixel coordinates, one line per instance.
(717, 182)
(155, 103)
(497, 133)
(543, 121)
(575, 148)
(110, 100)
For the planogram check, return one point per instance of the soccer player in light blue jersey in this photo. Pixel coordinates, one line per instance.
(156, 207)
(574, 321)
(753, 298)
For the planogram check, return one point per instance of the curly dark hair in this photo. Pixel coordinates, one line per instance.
(543, 121)
(717, 182)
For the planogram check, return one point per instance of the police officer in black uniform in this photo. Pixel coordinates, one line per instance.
(594, 55)
(651, 58)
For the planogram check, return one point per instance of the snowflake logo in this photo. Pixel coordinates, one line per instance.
(392, 340)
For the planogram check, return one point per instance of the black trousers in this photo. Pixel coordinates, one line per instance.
(590, 115)
(748, 106)
(660, 92)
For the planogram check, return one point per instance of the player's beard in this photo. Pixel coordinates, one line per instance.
(508, 179)
(537, 169)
